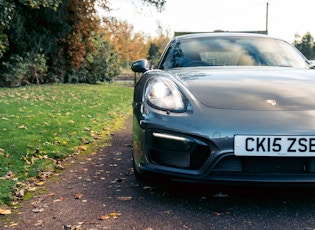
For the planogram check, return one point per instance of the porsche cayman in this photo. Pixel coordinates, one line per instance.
(226, 108)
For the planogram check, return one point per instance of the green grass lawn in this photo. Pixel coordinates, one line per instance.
(40, 125)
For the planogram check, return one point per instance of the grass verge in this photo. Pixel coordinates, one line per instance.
(40, 125)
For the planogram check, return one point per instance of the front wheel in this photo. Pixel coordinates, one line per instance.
(138, 175)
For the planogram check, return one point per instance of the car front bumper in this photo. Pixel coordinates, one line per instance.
(167, 149)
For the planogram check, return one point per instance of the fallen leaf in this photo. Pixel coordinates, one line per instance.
(113, 215)
(51, 194)
(221, 213)
(39, 222)
(104, 217)
(12, 225)
(20, 193)
(60, 167)
(217, 213)
(83, 140)
(82, 148)
(5, 211)
(124, 198)
(38, 210)
(9, 175)
(78, 195)
(168, 212)
(39, 183)
(31, 189)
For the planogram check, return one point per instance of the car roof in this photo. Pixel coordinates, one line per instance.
(222, 34)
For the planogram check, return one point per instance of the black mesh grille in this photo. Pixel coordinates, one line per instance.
(266, 164)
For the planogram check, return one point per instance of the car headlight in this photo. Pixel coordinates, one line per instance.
(163, 94)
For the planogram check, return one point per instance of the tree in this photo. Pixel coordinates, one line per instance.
(34, 32)
(7, 11)
(101, 64)
(6, 14)
(61, 34)
(154, 53)
(82, 19)
(130, 45)
(305, 45)
(159, 4)
(138, 47)
(157, 46)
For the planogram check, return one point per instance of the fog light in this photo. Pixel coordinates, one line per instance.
(171, 142)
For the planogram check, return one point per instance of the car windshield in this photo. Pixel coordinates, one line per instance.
(231, 51)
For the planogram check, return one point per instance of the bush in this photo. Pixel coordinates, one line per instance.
(24, 70)
(101, 64)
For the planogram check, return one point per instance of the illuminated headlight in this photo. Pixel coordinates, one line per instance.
(163, 94)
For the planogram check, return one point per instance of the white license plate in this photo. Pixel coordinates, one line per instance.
(300, 146)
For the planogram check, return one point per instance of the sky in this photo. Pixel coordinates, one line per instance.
(285, 17)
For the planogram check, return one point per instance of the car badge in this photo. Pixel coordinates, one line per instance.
(271, 102)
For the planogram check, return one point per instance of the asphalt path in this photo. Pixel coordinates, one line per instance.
(99, 191)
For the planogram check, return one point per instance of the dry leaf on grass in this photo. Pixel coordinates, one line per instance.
(39, 183)
(82, 148)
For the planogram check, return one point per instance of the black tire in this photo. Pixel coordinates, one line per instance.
(137, 174)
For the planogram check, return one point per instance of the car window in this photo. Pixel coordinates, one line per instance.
(229, 51)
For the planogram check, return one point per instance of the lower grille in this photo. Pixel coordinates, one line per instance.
(266, 164)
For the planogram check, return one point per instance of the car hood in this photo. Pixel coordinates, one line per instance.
(257, 88)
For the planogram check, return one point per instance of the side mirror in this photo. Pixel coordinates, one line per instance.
(140, 66)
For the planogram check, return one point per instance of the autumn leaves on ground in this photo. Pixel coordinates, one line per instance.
(41, 125)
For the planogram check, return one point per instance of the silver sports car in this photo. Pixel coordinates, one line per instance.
(226, 108)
